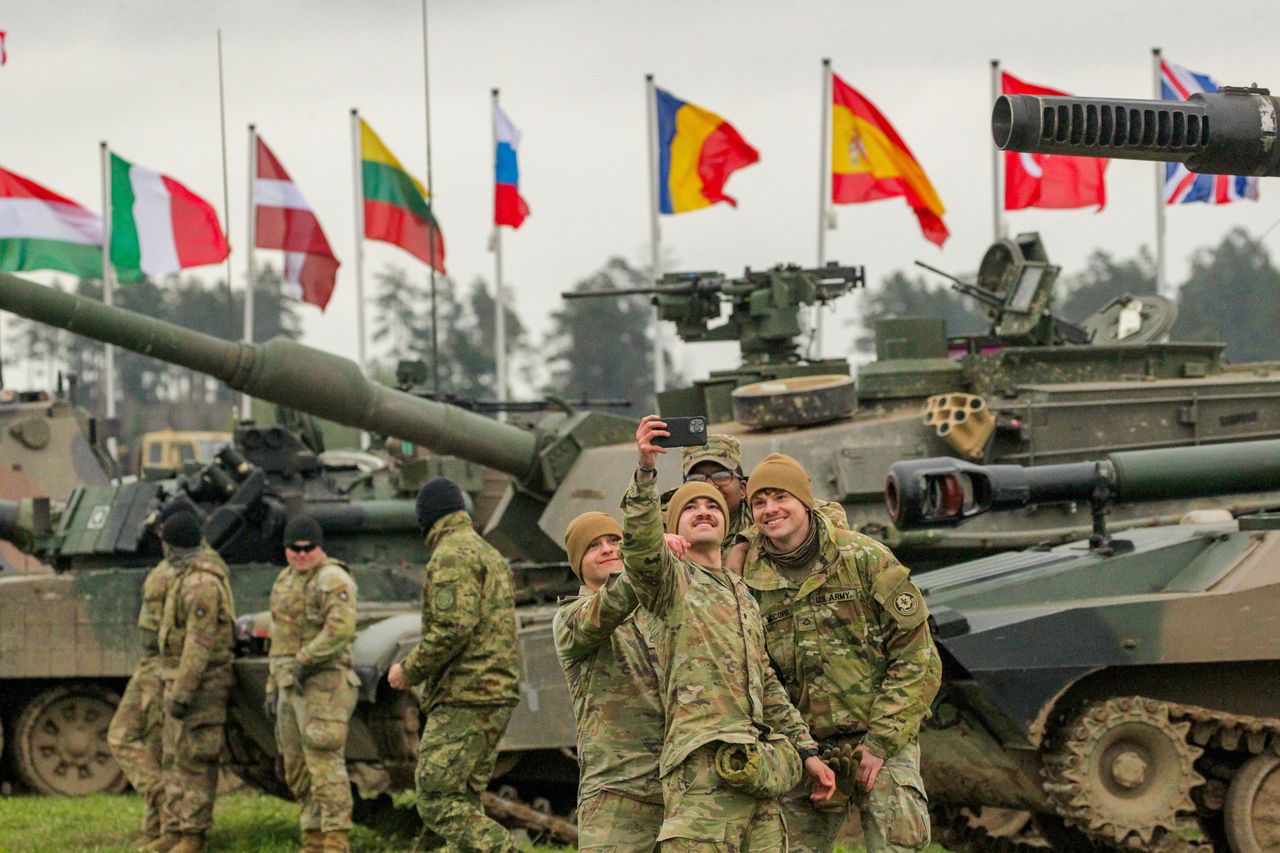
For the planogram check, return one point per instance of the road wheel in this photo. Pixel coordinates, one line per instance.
(1252, 809)
(60, 741)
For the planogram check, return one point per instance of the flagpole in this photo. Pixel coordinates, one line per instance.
(226, 194)
(824, 175)
(499, 301)
(246, 405)
(108, 273)
(358, 182)
(997, 190)
(1160, 171)
(431, 205)
(655, 233)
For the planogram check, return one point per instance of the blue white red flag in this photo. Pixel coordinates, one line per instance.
(509, 207)
(1182, 186)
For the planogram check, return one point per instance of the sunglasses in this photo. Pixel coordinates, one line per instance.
(720, 478)
(299, 548)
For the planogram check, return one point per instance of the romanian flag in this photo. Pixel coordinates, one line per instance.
(697, 152)
(396, 206)
(869, 161)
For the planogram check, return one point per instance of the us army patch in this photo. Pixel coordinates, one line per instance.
(833, 597)
(906, 603)
(443, 599)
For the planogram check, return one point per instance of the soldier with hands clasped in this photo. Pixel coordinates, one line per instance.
(312, 688)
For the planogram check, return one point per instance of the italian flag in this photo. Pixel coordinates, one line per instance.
(158, 226)
(41, 230)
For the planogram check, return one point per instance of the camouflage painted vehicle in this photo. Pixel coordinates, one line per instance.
(1123, 688)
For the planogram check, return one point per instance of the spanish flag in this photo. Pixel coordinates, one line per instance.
(397, 209)
(697, 152)
(869, 161)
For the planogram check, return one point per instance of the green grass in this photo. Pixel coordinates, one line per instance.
(247, 822)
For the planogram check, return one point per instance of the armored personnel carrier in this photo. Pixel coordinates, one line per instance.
(1122, 688)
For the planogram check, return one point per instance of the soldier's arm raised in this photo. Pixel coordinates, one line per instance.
(581, 629)
(655, 573)
(914, 671)
(339, 628)
(450, 616)
(199, 600)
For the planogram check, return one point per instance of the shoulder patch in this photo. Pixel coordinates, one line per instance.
(444, 599)
(899, 597)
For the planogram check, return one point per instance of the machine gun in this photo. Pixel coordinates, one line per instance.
(764, 313)
(944, 491)
(414, 377)
(1228, 132)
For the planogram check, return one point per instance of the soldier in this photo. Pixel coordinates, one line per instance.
(605, 647)
(848, 634)
(135, 731)
(467, 664)
(196, 638)
(733, 741)
(311, 691)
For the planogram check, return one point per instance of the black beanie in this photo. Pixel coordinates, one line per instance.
(181, 530)
(438, 497)
(303, 528)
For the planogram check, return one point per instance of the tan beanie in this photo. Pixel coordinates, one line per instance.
(779, 471)
(688, 492)
(582, 531)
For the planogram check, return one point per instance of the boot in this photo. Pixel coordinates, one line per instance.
(312, 841)
(161, 844)
(336, 842)
(189, 843)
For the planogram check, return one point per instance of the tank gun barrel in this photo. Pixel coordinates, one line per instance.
(945, 491)
(287, 373)
(1229, 132)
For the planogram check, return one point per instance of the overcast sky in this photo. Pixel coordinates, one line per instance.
(143, 75)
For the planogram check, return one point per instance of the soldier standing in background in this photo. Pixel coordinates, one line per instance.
(733, 741)
(196, 638)
(312, 688)
(135, 732)
(467, 664)
(848, 634)
(604, 644)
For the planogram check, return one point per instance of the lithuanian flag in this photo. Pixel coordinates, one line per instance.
(869, 161)
(397, 209)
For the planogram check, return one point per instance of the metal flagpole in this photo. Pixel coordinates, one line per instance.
(226, 195)
(499, 301)
(246, 404)
(358, 182)
(108, 273)
(655, 233)
(1160, 171)
(824, 175)
(997, 174)
(433, 230)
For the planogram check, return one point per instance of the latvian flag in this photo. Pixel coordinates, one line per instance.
(283, 220)
(508, 207)
(1182, 186)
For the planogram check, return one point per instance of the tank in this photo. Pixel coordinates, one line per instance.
(1120, 688)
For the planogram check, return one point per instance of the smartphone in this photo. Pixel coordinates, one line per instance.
(685, 432)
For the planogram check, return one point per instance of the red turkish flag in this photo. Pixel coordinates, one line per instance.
(1050, 180)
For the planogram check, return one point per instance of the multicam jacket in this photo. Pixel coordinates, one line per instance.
(155, 588)
(313, 620)
(197, 628)
(851, 642)
(604, 642)
(467, 652)
(716, 680)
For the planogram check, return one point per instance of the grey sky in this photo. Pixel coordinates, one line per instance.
(142, 75)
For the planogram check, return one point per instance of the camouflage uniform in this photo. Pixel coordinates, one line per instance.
(197, 637)
(605, 646)
(467, 665)
(717, 687)
(852, 645)
(313, 622)
(135, 731)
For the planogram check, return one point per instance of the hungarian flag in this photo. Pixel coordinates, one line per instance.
(41, 230)
(283, 220)
(396, 207)
(869, 161)
(158, 226)
(1050, 180)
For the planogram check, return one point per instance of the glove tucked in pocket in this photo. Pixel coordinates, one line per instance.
(765, 769)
